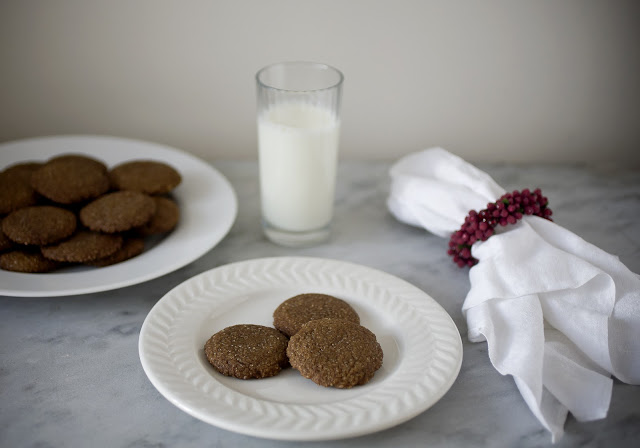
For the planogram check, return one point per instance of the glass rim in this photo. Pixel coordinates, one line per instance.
(300, 63)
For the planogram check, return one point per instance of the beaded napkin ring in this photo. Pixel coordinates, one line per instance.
(479, 226)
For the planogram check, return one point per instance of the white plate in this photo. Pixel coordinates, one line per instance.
(207, 202)
(421, 344)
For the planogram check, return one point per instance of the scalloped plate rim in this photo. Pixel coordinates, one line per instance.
(269, 433)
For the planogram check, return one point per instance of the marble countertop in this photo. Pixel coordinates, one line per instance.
(70, 373)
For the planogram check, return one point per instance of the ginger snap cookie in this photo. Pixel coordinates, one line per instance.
(15, 187)
(147, 176)
(84, 246)
(39, 225)
(163, 220)
(118, 211)
(5, 242)
(24, 169)
(247, 351)
(293, 313)
(21, 260)
(67, 180)
(131, 247)
(335, 353)
(82, 158)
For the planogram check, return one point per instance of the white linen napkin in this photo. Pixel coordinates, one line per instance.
(558, 313)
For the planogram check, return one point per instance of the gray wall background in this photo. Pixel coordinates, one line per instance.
(494, 80)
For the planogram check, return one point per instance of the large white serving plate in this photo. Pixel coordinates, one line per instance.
(421, 344)
(208, 208)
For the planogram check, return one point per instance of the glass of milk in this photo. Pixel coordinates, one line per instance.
(298, 133)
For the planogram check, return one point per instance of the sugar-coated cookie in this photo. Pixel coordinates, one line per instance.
(5, 242)
(67, 180)
(293, 313)
(84, 246)
(15, 187)
(335, 353)
(39, 225)
(118, 211)
(247, 351)
(82, 158)
(163, 220)
(131, 247)
(146, 176)
(22, 260)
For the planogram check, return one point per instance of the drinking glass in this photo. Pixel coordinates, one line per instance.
(298, 115)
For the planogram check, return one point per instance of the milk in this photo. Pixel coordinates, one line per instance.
(298, 150)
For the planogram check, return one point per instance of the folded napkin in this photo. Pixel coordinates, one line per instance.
(558, 313)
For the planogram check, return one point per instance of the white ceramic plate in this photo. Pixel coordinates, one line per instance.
(421, 344)
(208, 208)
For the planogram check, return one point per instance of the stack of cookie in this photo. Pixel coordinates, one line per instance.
(74, 209)
(317, 334)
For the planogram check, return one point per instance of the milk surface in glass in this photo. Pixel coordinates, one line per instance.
(298, 149)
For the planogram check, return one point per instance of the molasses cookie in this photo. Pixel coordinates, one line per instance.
(26, 261)
(335, 353)
(146, 176)
(130, 248)
(39, 225)
(293, 313)
(84, 246)
(118, 211)
(163, 220)
(247, 351)
(82, 158)
(5, 242)
(15, 188)
(24, 169)
(70, 179)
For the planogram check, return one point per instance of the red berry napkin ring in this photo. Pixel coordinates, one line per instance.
(479, 226)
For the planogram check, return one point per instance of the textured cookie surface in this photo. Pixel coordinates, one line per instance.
(82, 159)
(5, 242)
(247, 351)
(39, 225)
(146, 176)
(15, 188)
(24, 169)
(163, 220)
(130, 248)
(70, 179)
(293, 313)
(26, 261)
(118, 211)
(335, 353)
(83, 246)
